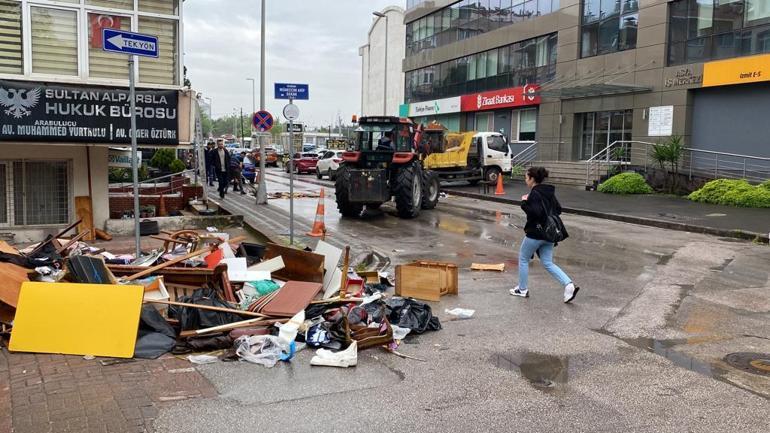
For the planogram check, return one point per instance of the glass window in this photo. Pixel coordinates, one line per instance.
(168, 7)
(543, 7)
(727, 45)
(472, 67)
(608, 35)
(11, 54)
(41, 193)
(628, 29)
(591, 11)
(527, 125)
(54, 41)
(541, 54)
(757, 12)
(162, 70)
(504, 60)
(101, 63)
(702, 19)
(492, 63)
(114, 4)
(728, 15)
(481, 65)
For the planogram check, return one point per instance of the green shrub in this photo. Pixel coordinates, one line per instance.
(177, 166)
(162, 158)
(625, 183)
(733, 193)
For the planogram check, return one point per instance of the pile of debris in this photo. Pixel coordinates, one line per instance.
(209, 297)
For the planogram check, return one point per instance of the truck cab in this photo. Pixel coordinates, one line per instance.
(493, 152)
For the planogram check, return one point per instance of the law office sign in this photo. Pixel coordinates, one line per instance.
(41, 112)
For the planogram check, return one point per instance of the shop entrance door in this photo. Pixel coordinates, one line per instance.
(599, 130)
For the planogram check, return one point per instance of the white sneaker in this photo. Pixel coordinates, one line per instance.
(570, 291)
(518, 292)
(345, 358)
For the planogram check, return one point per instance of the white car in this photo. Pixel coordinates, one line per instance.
(328, 164)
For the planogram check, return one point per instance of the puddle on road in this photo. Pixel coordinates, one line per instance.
(665, 348)
(544, 372)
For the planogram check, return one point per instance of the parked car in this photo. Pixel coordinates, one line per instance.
(271, 157)
(309, 147)
(304, 162)
(329, 163)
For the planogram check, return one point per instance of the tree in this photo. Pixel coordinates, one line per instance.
(163, 158)
(186, 82)
(206, 123)
(669, 153)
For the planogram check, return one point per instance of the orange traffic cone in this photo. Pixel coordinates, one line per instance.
(319, 228)
(499, 190)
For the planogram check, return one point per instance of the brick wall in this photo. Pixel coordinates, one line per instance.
(122, 203)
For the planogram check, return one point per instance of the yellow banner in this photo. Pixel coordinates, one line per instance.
(743, 70)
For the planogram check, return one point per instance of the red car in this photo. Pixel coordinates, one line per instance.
(304, 162)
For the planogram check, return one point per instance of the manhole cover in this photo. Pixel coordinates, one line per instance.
(756, 363)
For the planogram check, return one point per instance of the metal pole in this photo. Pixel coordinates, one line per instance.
(385, 94)
(291, 178)
(134, 165)
(240, 120)
(262, 189)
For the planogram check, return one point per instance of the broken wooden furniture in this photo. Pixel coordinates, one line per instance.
(426, 280)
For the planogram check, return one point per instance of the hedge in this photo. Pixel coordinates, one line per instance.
(733, 193)
(625, 183)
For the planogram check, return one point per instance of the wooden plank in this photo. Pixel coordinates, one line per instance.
(300, 265)
(205, 307)
(84, 210)
(293, 297)
(99, 319)
(499, 267)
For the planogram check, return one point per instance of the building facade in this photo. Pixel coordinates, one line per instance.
(64, 102)
(382, 80)
(578, 75)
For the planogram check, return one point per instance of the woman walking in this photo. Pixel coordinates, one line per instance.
(537, 204)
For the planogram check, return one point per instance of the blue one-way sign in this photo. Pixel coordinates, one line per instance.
(118, 41)
(291, 91)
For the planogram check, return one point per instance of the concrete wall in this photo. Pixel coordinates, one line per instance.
(374, 63)
(79, 180)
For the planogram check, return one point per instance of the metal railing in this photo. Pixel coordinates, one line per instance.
(159, 183)
(705, 164)
(526, 156)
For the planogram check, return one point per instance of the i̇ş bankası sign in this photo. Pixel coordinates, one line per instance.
(35, 112)
(505, 98)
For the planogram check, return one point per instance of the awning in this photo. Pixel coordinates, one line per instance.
(591, 90)
(594, 84)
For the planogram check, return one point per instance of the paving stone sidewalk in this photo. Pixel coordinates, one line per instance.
(58, 393)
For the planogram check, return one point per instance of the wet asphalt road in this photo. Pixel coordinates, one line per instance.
(641, 348)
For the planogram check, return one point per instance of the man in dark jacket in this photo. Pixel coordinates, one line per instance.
(221, 163)
(208, 158)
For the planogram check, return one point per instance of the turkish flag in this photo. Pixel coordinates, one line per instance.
(99, 22)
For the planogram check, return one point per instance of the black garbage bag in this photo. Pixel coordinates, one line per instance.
(194, 318)
(412, 314)
(155, 336)
(208, 343)
(377, 310)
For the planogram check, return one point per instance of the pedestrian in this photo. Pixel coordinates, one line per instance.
(208, 158)
(536, 204)
(236, 172)
(221, 164)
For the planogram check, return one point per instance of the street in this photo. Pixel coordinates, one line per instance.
(641, 349)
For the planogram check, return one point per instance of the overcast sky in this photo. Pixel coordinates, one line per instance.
(308, 41)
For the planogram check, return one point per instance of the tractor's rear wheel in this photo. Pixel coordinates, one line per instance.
(342, 192)
(430, 190)
(408, 190)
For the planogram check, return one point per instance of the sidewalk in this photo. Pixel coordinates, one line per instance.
(662, 211)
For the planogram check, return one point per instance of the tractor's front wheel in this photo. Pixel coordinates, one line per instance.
(408, 190)
(342, 192)
(430, 190)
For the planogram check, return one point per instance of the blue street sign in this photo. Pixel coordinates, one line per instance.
(262, 121)
(292, 91)
(118, 41)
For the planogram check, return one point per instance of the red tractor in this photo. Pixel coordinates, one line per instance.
(383, 165)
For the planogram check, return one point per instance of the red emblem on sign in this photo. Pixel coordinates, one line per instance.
(99, 22)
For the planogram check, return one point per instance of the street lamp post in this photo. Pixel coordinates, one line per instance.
(262, 190)
(253, 95)
(385, 81)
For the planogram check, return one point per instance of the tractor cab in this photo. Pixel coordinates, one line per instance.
(383, 165)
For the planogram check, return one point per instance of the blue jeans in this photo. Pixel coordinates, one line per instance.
(545, 249)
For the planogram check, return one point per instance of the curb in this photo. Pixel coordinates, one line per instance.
(736, 233)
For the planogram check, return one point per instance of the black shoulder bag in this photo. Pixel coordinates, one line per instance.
(552, 229)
